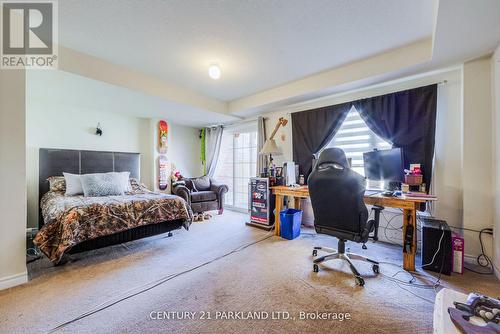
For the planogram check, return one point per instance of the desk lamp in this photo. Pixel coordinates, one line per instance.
(270, 146)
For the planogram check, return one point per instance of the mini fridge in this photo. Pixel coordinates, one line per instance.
(260, 202)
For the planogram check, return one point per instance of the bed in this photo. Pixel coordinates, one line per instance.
(72, 224)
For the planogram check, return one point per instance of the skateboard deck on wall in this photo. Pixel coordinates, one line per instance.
(162, 137)
(162, 172)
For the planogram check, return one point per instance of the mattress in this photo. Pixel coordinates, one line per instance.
(72, 220)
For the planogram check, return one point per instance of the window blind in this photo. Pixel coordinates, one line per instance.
(355, 138)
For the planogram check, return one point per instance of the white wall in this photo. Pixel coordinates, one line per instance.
(495, 64)
(52, 123)
(447, 183)
(477, 176)
(183, 151)
(463, 174)
(68, 127)
(13, 171)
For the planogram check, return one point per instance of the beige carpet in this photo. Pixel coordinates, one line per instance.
(273, 275)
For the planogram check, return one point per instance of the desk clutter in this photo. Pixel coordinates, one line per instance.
(275, 201)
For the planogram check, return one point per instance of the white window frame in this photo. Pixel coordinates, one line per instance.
(239, 128)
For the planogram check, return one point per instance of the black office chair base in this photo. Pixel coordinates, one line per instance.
(342, 255)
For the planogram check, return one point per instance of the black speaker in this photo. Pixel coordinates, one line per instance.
(436, 235)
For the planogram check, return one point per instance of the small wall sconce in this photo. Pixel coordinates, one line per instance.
(98, 130)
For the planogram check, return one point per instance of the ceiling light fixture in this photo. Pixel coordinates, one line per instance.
(214, 71)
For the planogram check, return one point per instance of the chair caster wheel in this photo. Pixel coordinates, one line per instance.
(315, 252)
(315, 268)
(375, 269)
(364, 246)
(360, 281)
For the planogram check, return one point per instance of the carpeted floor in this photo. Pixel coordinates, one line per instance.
(273, 275)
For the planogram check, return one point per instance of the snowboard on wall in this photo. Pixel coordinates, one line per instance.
(162, 136)
(162, 172)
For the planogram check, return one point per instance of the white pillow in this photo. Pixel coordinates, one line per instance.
(102, 184)
(73, 184)
(125, 179)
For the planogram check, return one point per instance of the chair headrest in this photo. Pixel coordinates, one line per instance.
(333, 155)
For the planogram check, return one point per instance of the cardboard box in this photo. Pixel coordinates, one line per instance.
(457, 243)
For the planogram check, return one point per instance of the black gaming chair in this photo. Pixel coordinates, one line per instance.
(337, 194)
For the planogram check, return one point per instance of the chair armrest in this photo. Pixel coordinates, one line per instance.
(183, 192)
(218, 188)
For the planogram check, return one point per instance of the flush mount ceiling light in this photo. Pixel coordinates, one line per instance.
(214, 71)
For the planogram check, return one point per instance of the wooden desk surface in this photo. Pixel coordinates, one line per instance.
(302, 191)
(370, 197)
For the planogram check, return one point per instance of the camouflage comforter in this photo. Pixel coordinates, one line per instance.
(70, 220)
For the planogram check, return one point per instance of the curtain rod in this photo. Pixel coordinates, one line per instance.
(253, 119)
(243, 121)
(299, 106)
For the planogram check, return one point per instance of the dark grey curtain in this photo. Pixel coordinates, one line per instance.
(407, 119)
(312, 130)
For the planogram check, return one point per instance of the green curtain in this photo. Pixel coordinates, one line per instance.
(202, 152)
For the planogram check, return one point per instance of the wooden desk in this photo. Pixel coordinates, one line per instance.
(408, 205)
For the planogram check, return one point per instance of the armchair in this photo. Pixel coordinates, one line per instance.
(202, 194)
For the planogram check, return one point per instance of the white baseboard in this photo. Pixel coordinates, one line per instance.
(471, 258)
(496, 270)
(13, 280)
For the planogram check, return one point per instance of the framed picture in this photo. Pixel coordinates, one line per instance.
(279, 171)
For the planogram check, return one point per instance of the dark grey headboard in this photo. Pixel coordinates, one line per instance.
(53, 162)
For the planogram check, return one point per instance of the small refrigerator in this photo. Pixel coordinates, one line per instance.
(260, 202)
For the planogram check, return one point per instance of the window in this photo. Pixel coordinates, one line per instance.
(237, 163)
(355, 138)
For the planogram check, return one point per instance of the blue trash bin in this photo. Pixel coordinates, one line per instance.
(290, 223)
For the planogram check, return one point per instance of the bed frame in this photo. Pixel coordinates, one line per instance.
(53, 162)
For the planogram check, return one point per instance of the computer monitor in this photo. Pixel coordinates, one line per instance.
(384, 165)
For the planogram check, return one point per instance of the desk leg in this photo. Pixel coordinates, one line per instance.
(296, 203)
(410, 219)
(277, 222)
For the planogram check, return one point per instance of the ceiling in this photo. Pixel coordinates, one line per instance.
(466, 29)
(150, 58)
(258, 44)
(70, 90)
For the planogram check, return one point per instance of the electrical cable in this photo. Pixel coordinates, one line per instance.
(391, 219)
(148, 286)
(469, 229)
(488, 263)
(411, 282)
(415, 294)
(393, 228)
(153, 284)
(482, 259)
(436, 253)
